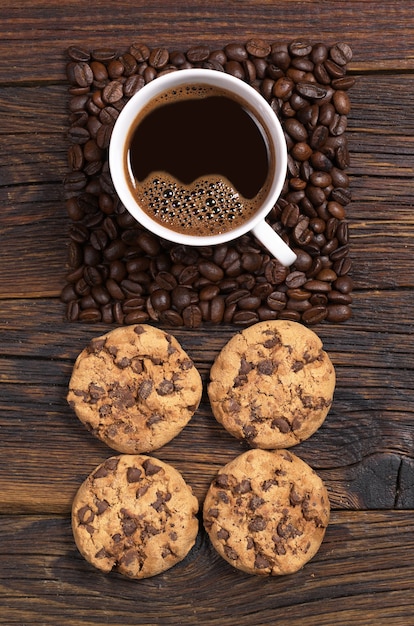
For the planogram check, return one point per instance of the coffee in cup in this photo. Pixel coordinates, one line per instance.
(199, 157)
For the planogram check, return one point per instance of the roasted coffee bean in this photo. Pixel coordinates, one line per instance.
(342, 266)
(235, 52)
(74, 210)
(298, 305)
(78, 134)
(79, 54)
(82, 74)
(319, 53)
(318, 137)
(171, 318)
(337, 297)
(209, 292)
(265, 314)
(298, 294)
(275, 273)
(258, 48)
(92, 168)
(320, 286)
(313, 91)
(262, 68)
(117, 270)
(245, 318)
(341, 53)
(114, 289)
(300, 48)
(321, 74)
(72, 311)
(218, 56)
(166, 280)
(345, 82)
(130, 64)
(77, 105)
(68, 293)
(148, 243)
(100, 295)
(290, 215)
(180, 297)
(210, 270)
(327, 274)
(92, 275)
(302, 234)
(188, 275)
(198, 54)
(158, 58)
(296, 129)
(303, 260)
(344, 284)
(295, 279)
(192, 316)
(321, 161)
(92, 315)
(91, 256)
(309, 116)
(235, 296)
(314, 314)
(235, 68)
(249, 70)
(338, 313)
(334, 69)
(251, 261)
(249, 303)
(75, 254)
(177, 58)
(283, 88)
(131, 288)
(136, 317)
(217, 308)
(140, 52)
(293, 316)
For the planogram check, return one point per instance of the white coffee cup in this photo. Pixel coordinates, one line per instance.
(258, 105)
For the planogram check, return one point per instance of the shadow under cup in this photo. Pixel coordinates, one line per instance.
(198, 157)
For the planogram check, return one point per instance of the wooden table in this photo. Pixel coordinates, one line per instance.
(364, 572)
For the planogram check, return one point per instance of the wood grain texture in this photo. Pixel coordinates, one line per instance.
(371, 588)
(363, 573)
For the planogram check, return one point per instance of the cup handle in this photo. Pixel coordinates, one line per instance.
(275, 244)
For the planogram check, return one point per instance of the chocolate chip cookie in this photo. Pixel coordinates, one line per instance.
(272, 384)
(266, 512)
(135, 388)
(134, 514)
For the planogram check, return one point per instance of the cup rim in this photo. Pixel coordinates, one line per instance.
(175, 79)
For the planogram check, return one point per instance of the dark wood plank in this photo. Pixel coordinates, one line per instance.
(380, 34)
(363, 573)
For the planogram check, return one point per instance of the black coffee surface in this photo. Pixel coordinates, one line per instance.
(199, 161)
(196, 137)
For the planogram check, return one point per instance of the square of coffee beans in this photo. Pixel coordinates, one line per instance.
(119, 273)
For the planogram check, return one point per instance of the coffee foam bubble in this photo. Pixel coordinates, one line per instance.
(208, 206)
